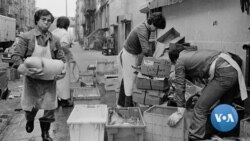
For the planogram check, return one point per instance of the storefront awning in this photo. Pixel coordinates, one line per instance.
(160, 3)
(144, 8)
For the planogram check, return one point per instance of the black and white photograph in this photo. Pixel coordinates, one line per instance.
(124, 70)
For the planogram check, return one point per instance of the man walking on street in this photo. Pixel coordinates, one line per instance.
(63, 90)
(38, 93)
(135, 48)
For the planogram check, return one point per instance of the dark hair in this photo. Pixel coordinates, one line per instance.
(174, 52)
(42, 12)
(63, 22)
(157, 20)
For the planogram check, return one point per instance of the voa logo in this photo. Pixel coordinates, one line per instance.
(224, 117)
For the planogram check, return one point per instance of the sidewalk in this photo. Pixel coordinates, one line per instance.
(15, 130)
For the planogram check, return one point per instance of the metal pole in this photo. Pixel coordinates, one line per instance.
(67, 8)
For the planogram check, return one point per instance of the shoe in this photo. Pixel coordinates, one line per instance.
(30, 126)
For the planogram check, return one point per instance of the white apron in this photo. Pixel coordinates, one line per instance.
(127, 61)
(63, 85)
(40, 94)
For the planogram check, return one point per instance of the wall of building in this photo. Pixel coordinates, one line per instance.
(125, 7)
(22, 10)
(79, 21)
(117, 8)
(133, 9)
(210, 24)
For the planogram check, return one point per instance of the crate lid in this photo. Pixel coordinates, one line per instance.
(87, 114)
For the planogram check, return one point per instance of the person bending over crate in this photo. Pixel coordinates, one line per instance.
(222, 73)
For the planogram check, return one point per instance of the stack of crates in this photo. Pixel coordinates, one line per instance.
(152, 81)
(157, 128)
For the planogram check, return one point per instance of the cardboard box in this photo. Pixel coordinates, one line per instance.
(148, 66)
(159, 83)
(139, 96)
(154, 97)
(177, 40)
(155, 67)
(143, 82)
(168, 36)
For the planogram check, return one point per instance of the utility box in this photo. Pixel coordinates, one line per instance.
(87, 122)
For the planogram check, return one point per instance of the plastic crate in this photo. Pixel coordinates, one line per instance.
(87, 122)
(105, 66)
(157, 128)
(86, 95)
(111, 82)
(126, 132)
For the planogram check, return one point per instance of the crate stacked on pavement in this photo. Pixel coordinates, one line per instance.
(152, 81)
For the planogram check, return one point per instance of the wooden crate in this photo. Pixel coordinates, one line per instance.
(157, 128)
(85, 95)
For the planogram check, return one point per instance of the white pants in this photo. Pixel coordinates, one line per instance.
(127, 60)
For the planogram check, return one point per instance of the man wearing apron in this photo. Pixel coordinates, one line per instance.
(63, 89)
(135, 48)
(38, 93)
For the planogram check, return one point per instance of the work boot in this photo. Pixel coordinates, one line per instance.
(128, 101)
(29, 126)
(45, 126)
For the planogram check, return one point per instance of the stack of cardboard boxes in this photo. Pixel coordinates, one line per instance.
(152, 81)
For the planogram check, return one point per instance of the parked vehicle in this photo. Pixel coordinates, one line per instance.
(7, 32)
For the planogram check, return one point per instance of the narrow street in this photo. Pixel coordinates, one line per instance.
(15, 128)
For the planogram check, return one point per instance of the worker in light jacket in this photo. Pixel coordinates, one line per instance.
(37, 93)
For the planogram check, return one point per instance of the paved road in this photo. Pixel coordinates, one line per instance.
(15, 131)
